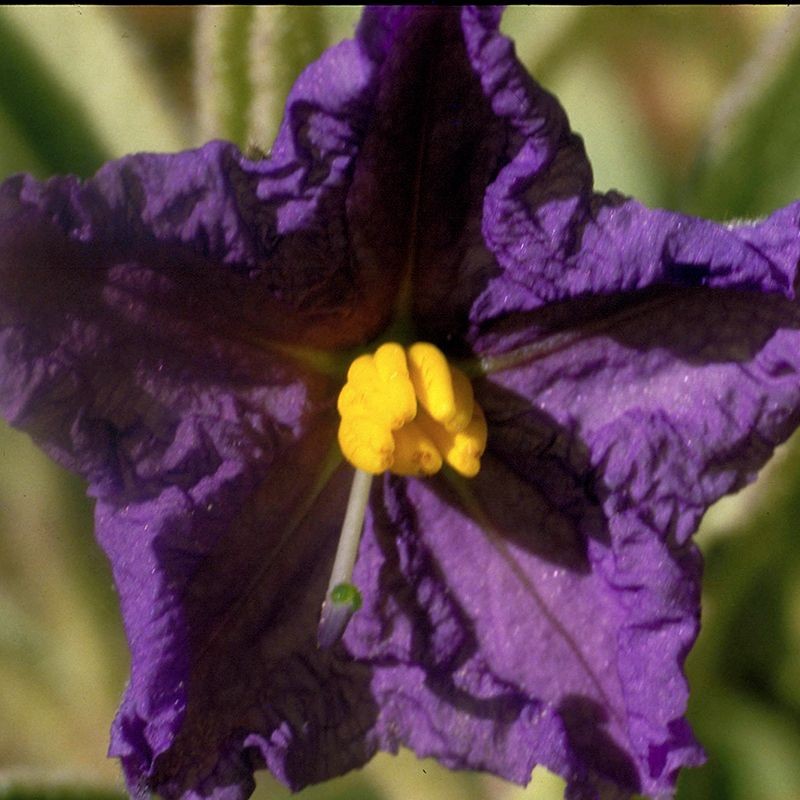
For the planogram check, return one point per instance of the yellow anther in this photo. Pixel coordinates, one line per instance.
(430, 374)
(415, 453)
(407, 411)
(390, 362)
(392, 367)
(368, 393)
(366, 443)
(464, 401)
(461, 450)
(361, 386)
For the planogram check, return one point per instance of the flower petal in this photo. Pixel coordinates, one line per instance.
(181, 428)
(126, 351)
(127, 357)
(654, 412)
(539, 616)
(501, 636)
(222, 588)
(554, 240)
(278, 226)
(676, 401)
(432, 146)
(617, 245)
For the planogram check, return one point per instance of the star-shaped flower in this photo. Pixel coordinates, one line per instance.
(178, 328)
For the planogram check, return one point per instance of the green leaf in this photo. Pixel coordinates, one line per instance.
(76, 91)
(47, 119)
(745, 706)
(752, 751)
(74, 792)
(16, 155)
(62, 654)
(750, 162)
(750, 576)
(222, 79)
(636, 83)
(285, 39)
(247, 60)
(604, 114)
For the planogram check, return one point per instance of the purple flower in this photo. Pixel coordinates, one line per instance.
(177, 330)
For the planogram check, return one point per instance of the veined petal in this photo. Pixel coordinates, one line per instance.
(125, 356)
(123, 353)
(676, 402)
(620, 246)
(555, 240)
(431, 149)
(221, 589)
(502, 634)
(652, 416)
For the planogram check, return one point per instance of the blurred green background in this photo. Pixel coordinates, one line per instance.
(693, 108)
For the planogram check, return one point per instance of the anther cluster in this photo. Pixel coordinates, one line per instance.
(407, 410)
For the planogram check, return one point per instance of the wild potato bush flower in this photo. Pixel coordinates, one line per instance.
(179, 329)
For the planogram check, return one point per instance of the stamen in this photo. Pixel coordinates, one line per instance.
(430, 374)
(408, 411)
(462, 450)
(464, 401)
(343, 599)
(366, 443)
(376, 385)
(415, 453)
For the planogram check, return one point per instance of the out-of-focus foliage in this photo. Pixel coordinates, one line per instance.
(240, 88)
(77, 792)
(692, 108)
(748, 161)
(76, 89)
